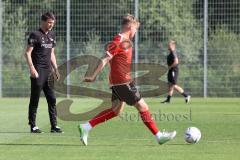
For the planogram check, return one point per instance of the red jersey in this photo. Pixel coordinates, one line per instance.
(120, 49)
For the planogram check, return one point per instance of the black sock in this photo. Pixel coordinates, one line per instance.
(184, 94)
(168, 98)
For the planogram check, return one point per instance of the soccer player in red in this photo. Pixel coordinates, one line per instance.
(119, 56)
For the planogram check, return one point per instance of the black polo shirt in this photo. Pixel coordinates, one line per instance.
(171, 57)
(42, 44)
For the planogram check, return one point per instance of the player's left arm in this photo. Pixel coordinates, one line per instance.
(54, 64)
(101, 64)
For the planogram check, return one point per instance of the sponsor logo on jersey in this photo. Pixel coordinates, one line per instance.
(50, 45)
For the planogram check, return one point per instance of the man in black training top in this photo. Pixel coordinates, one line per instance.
(172, 61)
(41, 60)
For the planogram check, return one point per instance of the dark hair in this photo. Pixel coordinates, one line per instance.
(47, 15)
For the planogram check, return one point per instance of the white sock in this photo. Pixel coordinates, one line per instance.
(87, 126)
(158, 135)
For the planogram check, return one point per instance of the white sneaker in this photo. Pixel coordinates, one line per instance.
(83, 134)
(187, 99)
(166, 136)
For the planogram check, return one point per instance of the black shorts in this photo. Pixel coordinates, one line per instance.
(173, 76)
(127, 93)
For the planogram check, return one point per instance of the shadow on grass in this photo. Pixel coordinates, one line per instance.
(177, 144)
(80, 145)
(12, 132)
(48, 144)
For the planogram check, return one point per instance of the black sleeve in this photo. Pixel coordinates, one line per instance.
(32, 40)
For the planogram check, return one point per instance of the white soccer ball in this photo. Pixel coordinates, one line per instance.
(192, 135)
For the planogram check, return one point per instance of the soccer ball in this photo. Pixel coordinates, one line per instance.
(192, 135)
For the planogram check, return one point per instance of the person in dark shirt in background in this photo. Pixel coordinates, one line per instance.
(40, 56)
(172, 61)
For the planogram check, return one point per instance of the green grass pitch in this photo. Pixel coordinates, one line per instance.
(124, 138)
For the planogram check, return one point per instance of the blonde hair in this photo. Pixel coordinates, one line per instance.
(129, 19)
(172, 42)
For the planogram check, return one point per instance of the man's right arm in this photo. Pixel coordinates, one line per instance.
(28, 53)
(101, 63)
(110, 52)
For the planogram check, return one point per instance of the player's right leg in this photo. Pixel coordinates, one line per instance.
(170, 93)
(36, 87)
(115, 110)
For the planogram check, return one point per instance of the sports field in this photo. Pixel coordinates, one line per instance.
(125, 137)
